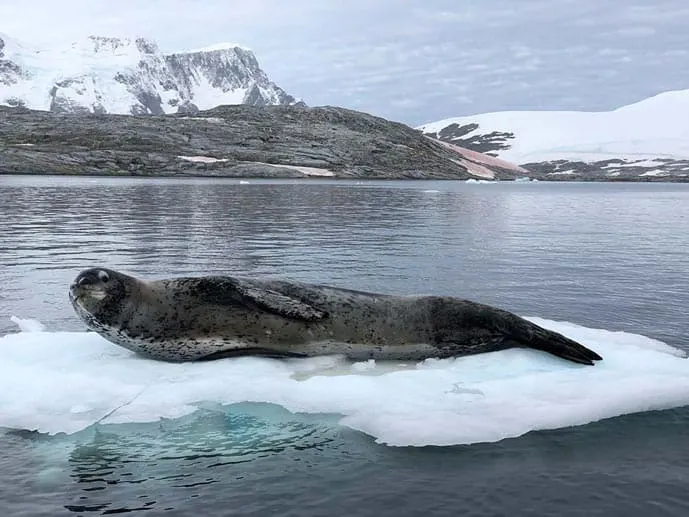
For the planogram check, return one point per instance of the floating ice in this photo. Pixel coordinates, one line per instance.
(67, 381)
(473, 180)
(28, 325)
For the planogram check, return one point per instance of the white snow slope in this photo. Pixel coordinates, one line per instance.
(657, 127)
(131, 76)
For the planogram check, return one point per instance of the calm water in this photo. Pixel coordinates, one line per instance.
(605, 256)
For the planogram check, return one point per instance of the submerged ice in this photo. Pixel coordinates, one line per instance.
(64, 382)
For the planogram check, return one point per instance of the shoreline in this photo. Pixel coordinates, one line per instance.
(335, 179)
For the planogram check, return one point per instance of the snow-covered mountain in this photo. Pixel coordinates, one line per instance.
(132, 76)
(648, 138)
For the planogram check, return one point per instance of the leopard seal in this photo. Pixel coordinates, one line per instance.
(212, 317)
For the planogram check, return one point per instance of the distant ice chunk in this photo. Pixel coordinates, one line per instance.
(472, 180)
(28, 325)
(67, 381)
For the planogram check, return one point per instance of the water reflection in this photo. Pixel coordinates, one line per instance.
(185, 457)
(285, 465)
(609, 256)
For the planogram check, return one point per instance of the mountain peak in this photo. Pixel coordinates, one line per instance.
(215, 48)
(104, 74)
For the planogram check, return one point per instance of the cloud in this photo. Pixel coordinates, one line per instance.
(636, 31)
(410, 60)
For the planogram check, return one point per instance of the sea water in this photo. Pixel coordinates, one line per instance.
(91, 428)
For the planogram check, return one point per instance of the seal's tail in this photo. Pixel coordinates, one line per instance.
(558, 345)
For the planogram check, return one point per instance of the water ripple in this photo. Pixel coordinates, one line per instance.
(608, 256)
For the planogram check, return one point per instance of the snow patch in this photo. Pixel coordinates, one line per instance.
(472, 180)
(215, 47)
(206, 95)
(479, 158)
(202, 159)
(636, 163)
(312, 171)
(307, 171)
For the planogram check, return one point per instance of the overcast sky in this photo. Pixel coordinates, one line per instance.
(410, 60)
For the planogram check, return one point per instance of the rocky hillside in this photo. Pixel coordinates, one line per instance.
(131, 76)
(234, 141)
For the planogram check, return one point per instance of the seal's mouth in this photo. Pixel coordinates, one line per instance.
(77, 292)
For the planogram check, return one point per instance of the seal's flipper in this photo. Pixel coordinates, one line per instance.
(250, 352)
(560, 346)
(280, 304)
(232, 291)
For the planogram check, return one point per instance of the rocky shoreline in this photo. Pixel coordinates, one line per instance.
(622, 169)
(242, 141)
(239, 141)
(659, 171)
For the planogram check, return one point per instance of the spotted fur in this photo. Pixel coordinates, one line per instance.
(195, 318)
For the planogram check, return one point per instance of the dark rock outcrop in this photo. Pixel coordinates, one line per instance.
(461, 135)
(637, 165)
(233, 141)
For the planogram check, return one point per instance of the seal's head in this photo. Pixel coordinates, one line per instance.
(96, 295)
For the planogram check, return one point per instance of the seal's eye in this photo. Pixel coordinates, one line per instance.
(85, 280)
(103, 276)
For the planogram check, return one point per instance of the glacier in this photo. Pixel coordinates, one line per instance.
(66, 382)
(654, 128)
(131, 76)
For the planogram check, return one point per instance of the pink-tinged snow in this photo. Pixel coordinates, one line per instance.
(306, 171)
(657, 127)
(474, 161)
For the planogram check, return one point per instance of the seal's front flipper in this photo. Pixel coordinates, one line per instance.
(280, 304)
(231, 291)
(250, 352)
